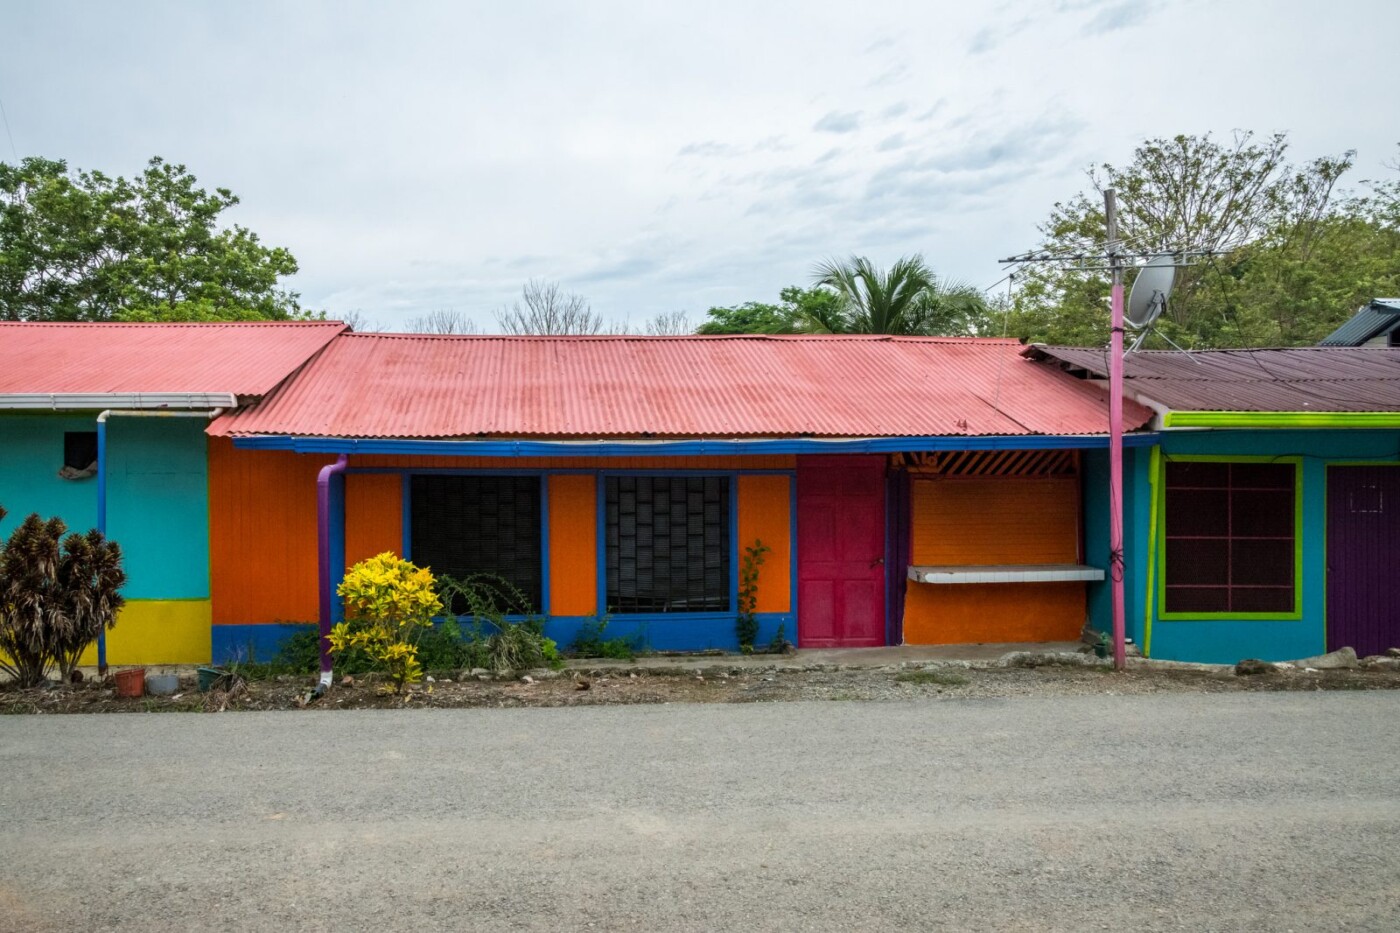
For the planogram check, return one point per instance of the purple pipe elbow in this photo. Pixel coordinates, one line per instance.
(323, 550)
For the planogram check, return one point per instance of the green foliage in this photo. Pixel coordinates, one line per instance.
(483, 601)
(85, 246)
(1295, 260)
(746, 625)
(796, 308)
(779, 644)
(593, 643)
(57, 595)
(905, 299)
(388, 602)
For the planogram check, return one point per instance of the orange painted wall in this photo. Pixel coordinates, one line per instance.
(573, 545)
(262, 534)
(961, 614)
(373, 515)
(765, 514)
(994, 520)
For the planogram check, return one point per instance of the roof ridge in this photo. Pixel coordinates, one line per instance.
(781, 338)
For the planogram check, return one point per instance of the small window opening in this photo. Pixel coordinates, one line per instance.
(79, 454)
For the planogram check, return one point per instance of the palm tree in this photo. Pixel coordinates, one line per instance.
(906, 299)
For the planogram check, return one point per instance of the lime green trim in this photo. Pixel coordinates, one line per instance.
(1281, 419)
(1160, 500)
(1153, 472)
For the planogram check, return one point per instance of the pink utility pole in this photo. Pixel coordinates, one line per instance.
(1115, 432)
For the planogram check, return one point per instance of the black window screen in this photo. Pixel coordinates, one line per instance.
(1229, 537)
(479, 524)
(668, 543)
(79, 449)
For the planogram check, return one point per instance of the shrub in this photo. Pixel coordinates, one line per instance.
(591, 643)
(484, 600)
(388, 602)
(746, 625)
(57, 595)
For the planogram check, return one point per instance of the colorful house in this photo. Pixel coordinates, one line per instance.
(1263, 520)
(908, 490)
(104, 426)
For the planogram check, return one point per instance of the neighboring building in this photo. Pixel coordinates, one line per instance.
(121, 409)
(1265, 520)
(1375, 325)
(911, 490)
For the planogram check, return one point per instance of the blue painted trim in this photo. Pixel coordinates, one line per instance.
(600, 488)
(102, 528)
(245, 643)
(792, 557)
(733, 480)
(797, 445)
(407, 530)
(544, 545)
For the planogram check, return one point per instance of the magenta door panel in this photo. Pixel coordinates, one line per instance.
(841, 551)
(1363, 546)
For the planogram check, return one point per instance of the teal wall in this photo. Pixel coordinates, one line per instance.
(1222, 640)
(157, 493)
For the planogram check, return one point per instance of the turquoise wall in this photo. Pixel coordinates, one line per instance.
(157, 493)
(1226, 641)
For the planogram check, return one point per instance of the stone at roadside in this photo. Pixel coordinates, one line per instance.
(1252, 666)
(1341, 659)
(1393, 652)
(527, 679)
(347, 681)
(477, 672)
(1380, 662)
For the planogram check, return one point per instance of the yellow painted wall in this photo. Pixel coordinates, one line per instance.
(158, 631)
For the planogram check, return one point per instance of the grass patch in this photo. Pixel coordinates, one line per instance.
(939, 678)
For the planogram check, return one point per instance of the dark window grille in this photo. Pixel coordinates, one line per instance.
(668, 543)
(79, 449)
(463, 525)
(1230, 537)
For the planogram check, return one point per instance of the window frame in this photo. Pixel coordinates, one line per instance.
(1160, 564)
(542, 476)
(732, 478)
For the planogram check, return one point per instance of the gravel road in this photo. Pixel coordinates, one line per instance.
(1269, 811)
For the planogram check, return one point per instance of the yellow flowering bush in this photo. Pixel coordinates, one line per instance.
(388, 601)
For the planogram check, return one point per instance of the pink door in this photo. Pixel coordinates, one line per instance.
(841, 551)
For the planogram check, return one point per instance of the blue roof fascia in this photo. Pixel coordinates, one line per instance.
(797, 445)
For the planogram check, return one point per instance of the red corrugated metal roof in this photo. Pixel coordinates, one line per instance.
(416, 386)
(1342, 379)
(238, 358)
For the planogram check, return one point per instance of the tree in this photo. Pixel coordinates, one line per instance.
(545, 309)
(905, 299)
(669, 324)
(57, 595)
(85, 246)
(1293, 259)
(443, 322)
(796, 306)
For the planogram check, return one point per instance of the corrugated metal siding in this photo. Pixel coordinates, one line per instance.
(1337, 379)
(994, 520)
(238, 358)
(382, 385)
(765, 514)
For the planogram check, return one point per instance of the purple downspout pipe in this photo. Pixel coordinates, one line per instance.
(323, 553)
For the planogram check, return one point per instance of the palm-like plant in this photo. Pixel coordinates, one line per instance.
(905, 299)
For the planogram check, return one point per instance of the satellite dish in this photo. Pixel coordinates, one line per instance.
(1150, 290)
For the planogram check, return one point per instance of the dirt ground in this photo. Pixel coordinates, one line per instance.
(718, 683)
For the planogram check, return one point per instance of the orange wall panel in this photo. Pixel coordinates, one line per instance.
(968, 613)
(373, 515)
(262, 534)
(765, 514)
(998, 520)
(573, 545)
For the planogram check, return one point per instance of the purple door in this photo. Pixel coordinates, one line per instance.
(1363, 555)
(841, 552)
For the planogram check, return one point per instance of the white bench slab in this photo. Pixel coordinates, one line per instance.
(1006, 573)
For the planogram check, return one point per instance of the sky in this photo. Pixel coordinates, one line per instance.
(659, 157)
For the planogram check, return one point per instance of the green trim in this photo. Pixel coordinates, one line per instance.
(1160, 501)
(1281, 419)
(1153, 470)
